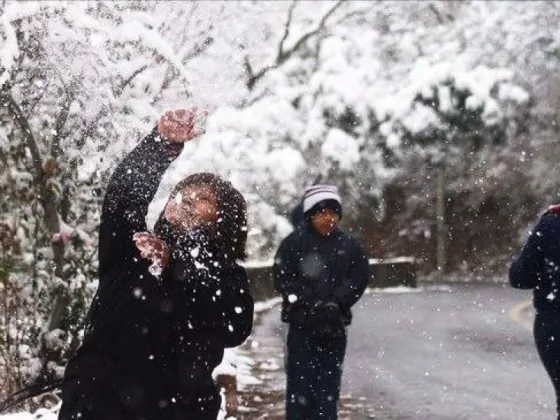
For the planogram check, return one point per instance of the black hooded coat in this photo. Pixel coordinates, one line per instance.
(152, 342)
(320, 278)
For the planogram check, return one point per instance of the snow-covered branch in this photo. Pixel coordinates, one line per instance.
(284, 54)
(119, 89)
(287, 28)
(60, 123)
(17, 114)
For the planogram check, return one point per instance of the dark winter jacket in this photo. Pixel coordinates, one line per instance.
(538, 265)
(320, 278)
(154, 338)
(296, 215)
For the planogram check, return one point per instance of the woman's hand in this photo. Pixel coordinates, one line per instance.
(181, 125)
(154, 249)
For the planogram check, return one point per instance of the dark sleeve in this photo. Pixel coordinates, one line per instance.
(221, 309)
(285, 271)
(356, 280)
(130, 190)
(525, 271)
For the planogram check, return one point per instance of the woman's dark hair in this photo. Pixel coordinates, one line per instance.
(230, 230)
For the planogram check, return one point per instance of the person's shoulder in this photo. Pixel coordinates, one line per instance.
(549, 222)
(551, 215)
(290, 244)
(553, 210)
(292, 236)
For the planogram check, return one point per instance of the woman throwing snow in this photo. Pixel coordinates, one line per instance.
(152, 341)
(538, 268)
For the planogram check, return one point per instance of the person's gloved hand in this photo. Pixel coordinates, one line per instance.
(299, 308)
(328, 311)
(332, 311)
(326, 319)
(322, 312)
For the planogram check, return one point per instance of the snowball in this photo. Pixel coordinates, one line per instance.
(155, 269)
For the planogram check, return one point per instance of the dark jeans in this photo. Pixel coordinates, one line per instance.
(313, 371)
(547, 338)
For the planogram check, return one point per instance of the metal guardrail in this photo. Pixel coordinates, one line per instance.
(387, 272)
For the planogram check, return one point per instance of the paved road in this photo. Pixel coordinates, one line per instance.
(454, 352)
(458, 352)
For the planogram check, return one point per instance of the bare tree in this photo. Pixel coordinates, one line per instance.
(283, 53)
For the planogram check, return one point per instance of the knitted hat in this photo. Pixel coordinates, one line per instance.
(319, 197)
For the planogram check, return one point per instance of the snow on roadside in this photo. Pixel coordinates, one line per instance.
(41, 414)
(394, 290)
(406, 289)
(266, 305)
(237, 362)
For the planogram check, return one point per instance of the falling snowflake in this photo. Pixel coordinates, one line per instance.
(195, 252)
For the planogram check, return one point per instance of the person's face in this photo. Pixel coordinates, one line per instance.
(194, 206)
(325, 221)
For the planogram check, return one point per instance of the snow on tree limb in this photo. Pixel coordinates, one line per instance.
(284, 54)
(17, 114)
(9, 50)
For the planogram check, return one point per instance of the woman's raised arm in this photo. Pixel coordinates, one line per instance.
(134, 183)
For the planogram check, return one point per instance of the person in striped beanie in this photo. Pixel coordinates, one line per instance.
(321, 272)
(323, 208)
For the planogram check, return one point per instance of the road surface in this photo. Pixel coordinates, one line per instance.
(456, 352)
(461, 352)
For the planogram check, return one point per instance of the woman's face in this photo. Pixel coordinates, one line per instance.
(325, 221)
(194, 206)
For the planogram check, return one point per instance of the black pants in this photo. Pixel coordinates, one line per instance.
(313, 374)
(109, 401)
(547, 338)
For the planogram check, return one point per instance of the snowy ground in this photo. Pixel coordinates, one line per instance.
(42, 414)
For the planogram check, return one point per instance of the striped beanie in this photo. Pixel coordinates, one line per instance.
(321, 196)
